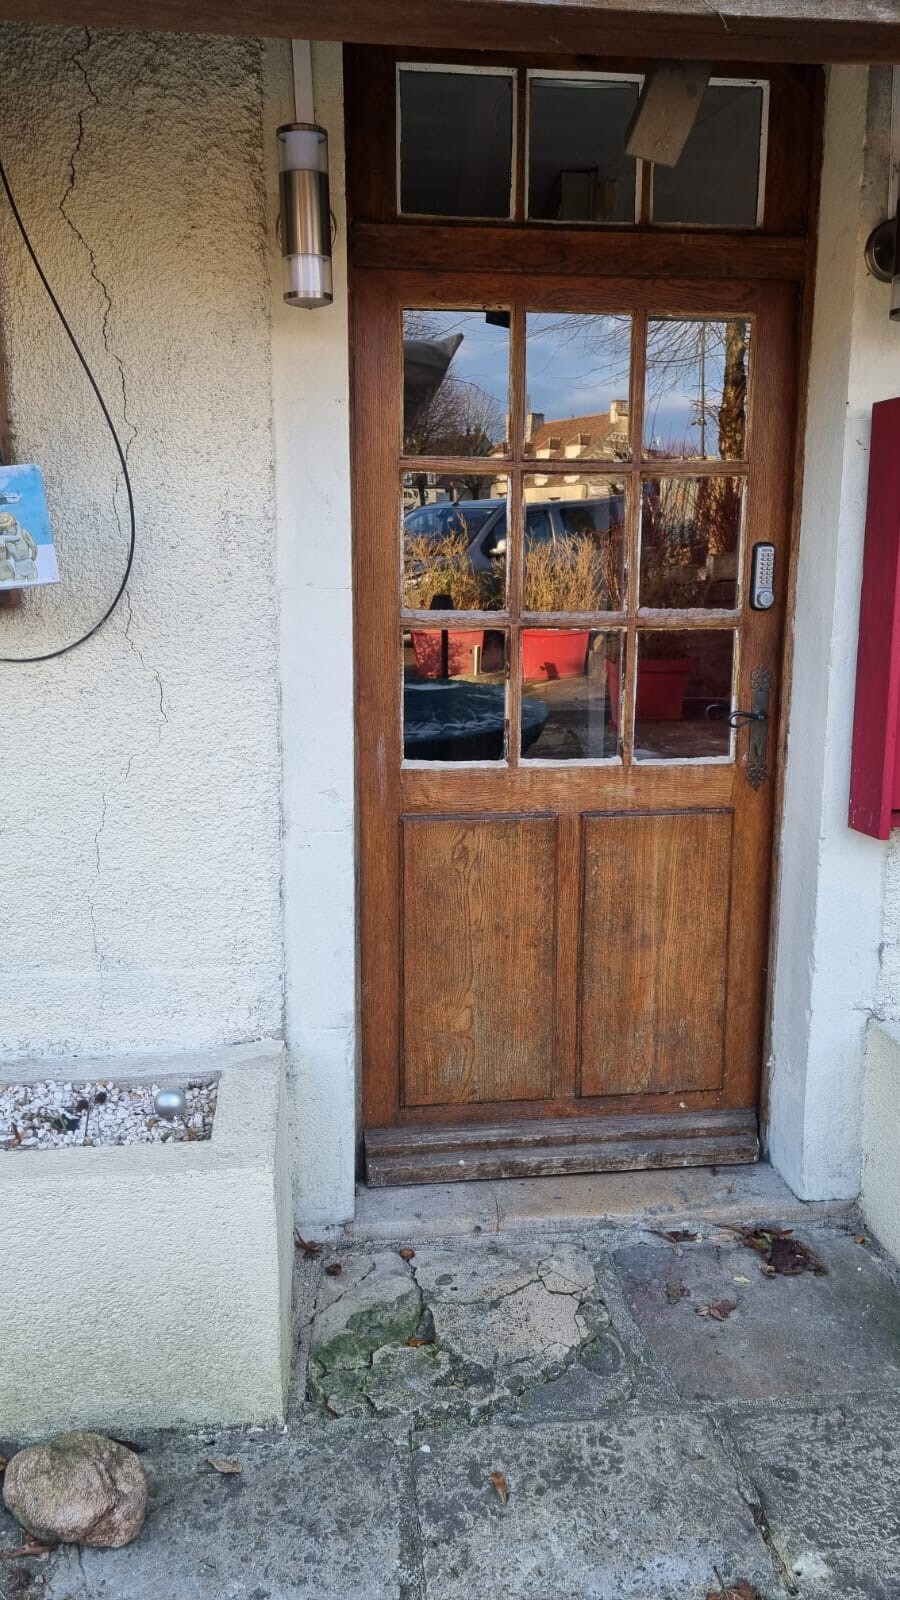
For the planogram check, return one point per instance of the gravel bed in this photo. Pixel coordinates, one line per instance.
(53, 1115)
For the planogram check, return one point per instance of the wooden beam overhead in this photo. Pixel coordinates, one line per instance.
(727, 30)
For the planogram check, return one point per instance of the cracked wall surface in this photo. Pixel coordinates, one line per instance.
(139, 776)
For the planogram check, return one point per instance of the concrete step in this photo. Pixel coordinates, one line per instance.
(700, 1194)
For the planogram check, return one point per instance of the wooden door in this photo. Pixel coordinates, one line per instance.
(565, 816)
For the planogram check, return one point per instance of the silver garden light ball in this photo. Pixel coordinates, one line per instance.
(170, 1103)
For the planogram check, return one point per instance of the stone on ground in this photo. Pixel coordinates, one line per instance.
(78, 1489)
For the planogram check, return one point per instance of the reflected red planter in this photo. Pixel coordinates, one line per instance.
(548, 653)
(461, 647)
(660, 693)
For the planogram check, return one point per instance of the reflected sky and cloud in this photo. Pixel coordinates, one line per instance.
(578, 365)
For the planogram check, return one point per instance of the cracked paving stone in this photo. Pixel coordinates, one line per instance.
(829, 1485)
(499, 1320)
(633, 1508)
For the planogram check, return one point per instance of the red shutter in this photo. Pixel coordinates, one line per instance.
(875, 767)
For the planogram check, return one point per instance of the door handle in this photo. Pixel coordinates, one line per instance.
(756, 717)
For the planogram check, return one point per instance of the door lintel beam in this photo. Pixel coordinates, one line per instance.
(863, 31)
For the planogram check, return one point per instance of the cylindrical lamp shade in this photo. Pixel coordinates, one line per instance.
(305, 214)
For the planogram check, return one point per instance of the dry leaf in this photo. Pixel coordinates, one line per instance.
(860, 1238)
(678, 1235)
(406, 1254)
(222, 1465)
(499, 1483)
(32, 1547)
(783, 1255)
(734, 1591)
(303, 1244)
(719, 1310)
(334, 1269)
(416, 1344)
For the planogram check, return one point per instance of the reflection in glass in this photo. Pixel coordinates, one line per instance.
(574, 543)
(454, 542)
(577, 379)
(566, 700)
(695, 402)
(455, 382)
(454, 694)
(716, 180)
(690, 541)
(683, 695)
(455, 143)
(578, 170)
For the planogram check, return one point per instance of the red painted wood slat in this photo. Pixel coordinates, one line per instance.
(875, 765)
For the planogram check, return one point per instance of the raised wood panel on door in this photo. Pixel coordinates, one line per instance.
(479, 942)
(655, 952)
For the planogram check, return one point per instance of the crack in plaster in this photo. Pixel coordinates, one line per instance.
(95, 939)
(153, 671)
(79, 60)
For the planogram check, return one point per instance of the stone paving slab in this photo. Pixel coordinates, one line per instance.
(321, 1516)
(830, 1483)
(644, 1507)
(787, 1337)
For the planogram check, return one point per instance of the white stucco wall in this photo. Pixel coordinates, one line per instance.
(829, 913)
(139, 776)
(881, 1138)
(161, 854)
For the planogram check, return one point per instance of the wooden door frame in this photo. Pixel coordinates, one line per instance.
(378, 245)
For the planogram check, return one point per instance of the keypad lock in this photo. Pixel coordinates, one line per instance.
(762, 577)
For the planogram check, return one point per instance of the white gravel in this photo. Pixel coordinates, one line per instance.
(52, 1115)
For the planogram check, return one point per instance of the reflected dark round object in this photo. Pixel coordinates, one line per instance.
(881, 251)
(447, 721)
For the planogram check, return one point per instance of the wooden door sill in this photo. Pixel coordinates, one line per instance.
(559, 1146)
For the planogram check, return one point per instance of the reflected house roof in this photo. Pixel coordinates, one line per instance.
(602, 435)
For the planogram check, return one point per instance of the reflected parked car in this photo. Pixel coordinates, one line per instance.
(482, 523)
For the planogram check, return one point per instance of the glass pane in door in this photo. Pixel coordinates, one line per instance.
(454, 541)
(570, 689)
(683, 695)
(455, 382)
(695, 400)
(578, 168)
(577, 380)
(717, 181)
(574, 543)
(456, 142)
(690, 542)
(454, 694)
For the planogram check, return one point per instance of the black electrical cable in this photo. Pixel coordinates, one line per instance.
(50, 655)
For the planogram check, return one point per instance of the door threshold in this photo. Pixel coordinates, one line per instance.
(559, 1147)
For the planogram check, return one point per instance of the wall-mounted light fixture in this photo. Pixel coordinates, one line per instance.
(305, 214)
